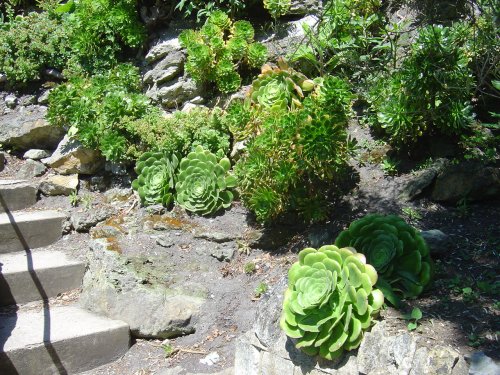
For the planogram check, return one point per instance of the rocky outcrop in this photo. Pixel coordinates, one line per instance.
(27, 128)
(164, 78)
(71, 157)
(59, 185)
(416, 183)
(134, 289)
(266, 350)
(84, 220)
(470, 180)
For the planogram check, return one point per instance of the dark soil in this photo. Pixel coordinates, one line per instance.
(460, 310)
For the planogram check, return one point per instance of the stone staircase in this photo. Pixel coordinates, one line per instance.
(45, 339)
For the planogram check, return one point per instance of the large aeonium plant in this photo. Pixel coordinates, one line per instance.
(155, 178)
(396, 250)
(203, 183)
(330, 300)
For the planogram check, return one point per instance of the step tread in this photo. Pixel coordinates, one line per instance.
(42, 259)
(66, 323)
(12, 182)
(30, 216)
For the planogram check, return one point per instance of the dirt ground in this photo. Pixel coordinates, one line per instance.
(461, 308)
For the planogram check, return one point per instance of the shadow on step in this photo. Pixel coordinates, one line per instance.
(6, 365)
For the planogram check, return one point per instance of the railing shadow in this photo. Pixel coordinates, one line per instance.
(6, 365)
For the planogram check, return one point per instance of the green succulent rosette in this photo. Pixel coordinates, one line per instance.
(155, 178)
(256, 55)
(396, 250)
(330, 300)
(203, 183)
(219, 19)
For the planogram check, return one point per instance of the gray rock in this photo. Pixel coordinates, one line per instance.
(170, 67)
(71, 157)
(27, 100)
(44, 97)
(421, 180)
(303, 7)
(117, 169)
(117, 195)
(214, 236)
(53, 73)
(36, 154)
(59, 185)
(438, 360)
(481, 364)
(166, 44)
(223, 253)
(83, 221)
(11, 101)
(102, 230)
(2, 161)
(30, 169)
(113, 281)
(175, 93)
(165, 241)
(439, 243)
(471, 180)
(3, 78)
(27, 128)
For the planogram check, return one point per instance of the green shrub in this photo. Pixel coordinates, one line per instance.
(396, 250)
(204, 9)
(30, 44)
(181, 132)
(213, 56)
(203, 183)
(293, 160)
(155, 178)
(95, 108)
(431, 92)
(277, 8)
(330, 300)
(100, 29)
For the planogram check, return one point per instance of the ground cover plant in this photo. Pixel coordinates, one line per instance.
(330, 300)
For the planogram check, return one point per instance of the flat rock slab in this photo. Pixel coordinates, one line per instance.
(59, 340)
(31, 276)
(22, 230)
(16, 195)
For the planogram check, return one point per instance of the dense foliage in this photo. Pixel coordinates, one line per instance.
(396, 250)
(294, 158)
(213, 56)
(330, 300)
(94, 109)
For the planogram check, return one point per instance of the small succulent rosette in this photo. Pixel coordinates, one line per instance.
(396, 250)
(330, 300)
(203, 183)
(155, 178)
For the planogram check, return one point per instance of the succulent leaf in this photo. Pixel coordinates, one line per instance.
(155, 178)
(202, 182)
(327, 311)
(395, 249)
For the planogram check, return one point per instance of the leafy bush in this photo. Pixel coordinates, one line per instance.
(330, 300)
(293, 160)
(155, 178)
(214, 57)
(430, 93)
(396, 250)
(94, 109)
(100, 29)
(180, 133)
(30, 44)
(204, 9)
(202, 182)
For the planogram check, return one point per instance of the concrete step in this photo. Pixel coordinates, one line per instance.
(21, 230)
(34, 275)
(16, 195)
(59, 340)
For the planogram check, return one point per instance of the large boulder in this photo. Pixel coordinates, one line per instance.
(266, 350)
(26, 128)
(471, 180)
(59, 185)
(71, 157)
(134, 289)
